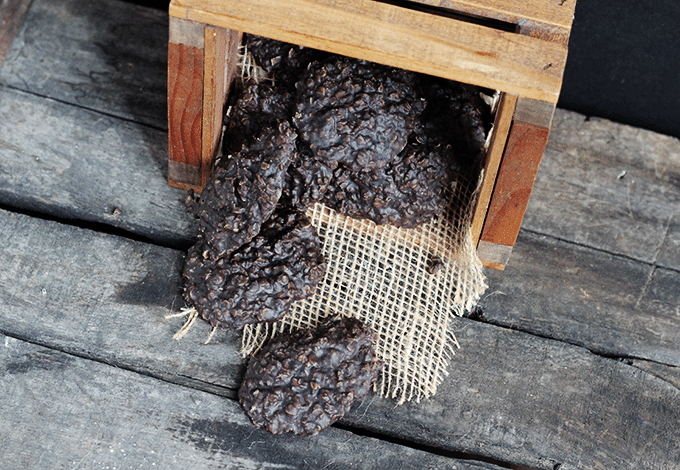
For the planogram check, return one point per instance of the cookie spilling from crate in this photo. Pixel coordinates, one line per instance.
(356, 114)
(259, 281)
(358, 136)
(303, 382)
(243, 191)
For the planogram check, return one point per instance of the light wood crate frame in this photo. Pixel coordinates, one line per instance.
(518, 47)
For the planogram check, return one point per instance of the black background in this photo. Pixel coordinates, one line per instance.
(623, 64)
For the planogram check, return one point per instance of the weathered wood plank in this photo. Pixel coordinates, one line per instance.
(559, 13)
(185, 114)
(501, 126)
(59, 411)
(670, 374)
(511, 396)
(542, 404)
(521, 159)
(78, 164)
(110, 56)
(606, 303)
(609, 186)
(105, 297)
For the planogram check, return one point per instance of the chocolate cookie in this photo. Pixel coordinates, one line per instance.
(282, 61)
(305, 381)
(456, 115)
(259, 281)
(257, 106)
(243, 190)
(356, 113)
(407, 192)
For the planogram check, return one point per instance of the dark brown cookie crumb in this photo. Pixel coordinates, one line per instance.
(410, 189)
(259, 281)
(243, 190)
(281, 61)
(455, 115)
(356, 113)
(303, 382)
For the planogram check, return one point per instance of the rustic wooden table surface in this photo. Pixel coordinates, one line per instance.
(572, 360)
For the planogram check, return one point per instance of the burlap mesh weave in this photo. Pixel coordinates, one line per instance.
(379, 274)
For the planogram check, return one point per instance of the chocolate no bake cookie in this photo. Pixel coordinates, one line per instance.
(456, 115)
(259, 281)
(407, 192)
(243, 190)
(356, 113)
(410, 189)
(303, 382)
(283, 62)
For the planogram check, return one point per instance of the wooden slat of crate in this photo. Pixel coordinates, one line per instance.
(199, 75)
(524, 147)
(545, 12)
(501, 128)
(398, 37)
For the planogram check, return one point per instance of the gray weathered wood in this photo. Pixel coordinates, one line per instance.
(59, 411)
(109, 56)
(105, 297)
(77, 164)
(543, 404)
(606, 303)
(511, 396)
(609, 186)
(670, 374)
(12, 14)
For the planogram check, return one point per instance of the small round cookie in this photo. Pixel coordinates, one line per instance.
(303, 382)
(259, 281)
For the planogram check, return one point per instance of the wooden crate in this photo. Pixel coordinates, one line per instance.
(516, 47)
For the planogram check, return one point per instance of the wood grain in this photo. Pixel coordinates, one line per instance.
(106, 297)
(607, 303)
(106, 56)
(68, 162)
(514, 183)
(185, 115)
(670, 374)
(511, 396)
(617, 189)
(501, 128)
(221, 58)
(60, 411)
(520, 396)
(402, 38)
(557, 13)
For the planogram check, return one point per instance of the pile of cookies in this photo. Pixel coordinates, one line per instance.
(367, 140)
